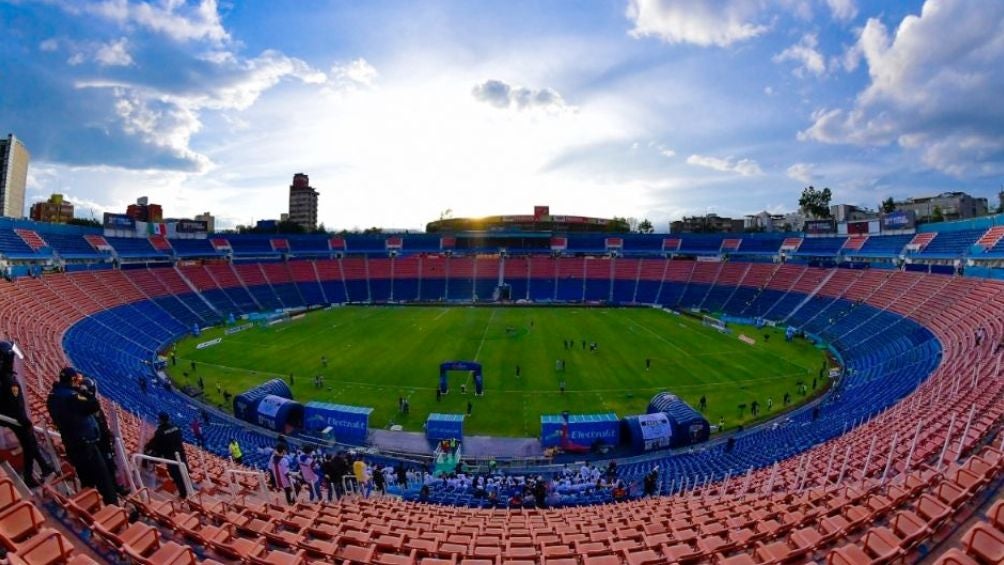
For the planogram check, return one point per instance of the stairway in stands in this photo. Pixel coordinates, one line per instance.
(30, 237)
(991, 237)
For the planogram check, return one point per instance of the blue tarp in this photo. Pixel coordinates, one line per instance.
(444, 426)
(279, 414)
(246, 403)
(689, 426)
(648, 432)
(350, 424)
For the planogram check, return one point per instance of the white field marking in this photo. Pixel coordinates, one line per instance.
(441, 314)
(484, 334)
(666, 341)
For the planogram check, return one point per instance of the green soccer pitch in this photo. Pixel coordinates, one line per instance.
(378, 354)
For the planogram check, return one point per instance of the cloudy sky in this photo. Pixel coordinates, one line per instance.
(400, 111)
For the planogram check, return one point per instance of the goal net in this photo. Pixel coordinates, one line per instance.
(714, 323)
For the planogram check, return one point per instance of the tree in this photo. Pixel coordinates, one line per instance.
(815, 203)
(888, 205)
(645, 226)
(937, 215)
(89, 222)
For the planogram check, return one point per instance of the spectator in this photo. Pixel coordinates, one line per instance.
(308, 470)
(196, 427)
(167, 443)
(235, 451)
(279, 468)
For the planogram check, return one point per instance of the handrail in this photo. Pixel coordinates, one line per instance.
(138, 457)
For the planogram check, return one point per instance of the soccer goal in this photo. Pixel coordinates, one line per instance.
(714, 323)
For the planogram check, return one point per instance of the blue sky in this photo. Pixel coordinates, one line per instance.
(400, 111)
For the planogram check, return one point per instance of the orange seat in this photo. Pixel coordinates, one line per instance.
(985, 543)
(19, 522)
(955, 557)
(46, 548)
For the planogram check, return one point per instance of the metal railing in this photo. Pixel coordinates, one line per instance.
(138, 458)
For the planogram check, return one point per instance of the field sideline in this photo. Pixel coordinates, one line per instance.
(377, 354)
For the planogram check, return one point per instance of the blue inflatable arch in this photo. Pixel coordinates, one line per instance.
(471, 366)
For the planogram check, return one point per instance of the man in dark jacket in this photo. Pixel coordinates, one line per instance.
(12, 405)
(73, 412)
(167, 443)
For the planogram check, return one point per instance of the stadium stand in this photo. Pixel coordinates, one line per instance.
(888, 468)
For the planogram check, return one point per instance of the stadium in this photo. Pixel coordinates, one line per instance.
(619, 282)
(872, 469)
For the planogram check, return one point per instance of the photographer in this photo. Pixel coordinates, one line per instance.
(12, 405)
(74, 412)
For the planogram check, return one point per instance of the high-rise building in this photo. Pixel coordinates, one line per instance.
(303, 202)
(55, 210)
(13, 176)
(209, 219)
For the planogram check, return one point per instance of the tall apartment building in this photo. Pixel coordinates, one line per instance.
(303, 202)
(14, 159)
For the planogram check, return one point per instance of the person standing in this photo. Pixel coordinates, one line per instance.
(168, 443)
(235, 451)
(648, 363)
(12, 405)
(279, 467)
(73, 413)
(196, 426)
(309, 473)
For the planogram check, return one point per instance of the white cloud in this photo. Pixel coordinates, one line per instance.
(744, 167)
(934, 89)
(114, 54)
(500, 94)
(178, 20)
(701, 22)
(355, 73)
(49, 45)
(166, 119)
(843, 10)
(667, 153)
(803, 172)
(806, 54)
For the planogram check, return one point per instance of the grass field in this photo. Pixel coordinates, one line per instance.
(377, 354)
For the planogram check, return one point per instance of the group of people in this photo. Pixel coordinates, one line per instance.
(501, 490)
(293, 470)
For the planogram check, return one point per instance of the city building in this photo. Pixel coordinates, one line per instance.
(209, 219)
(951, 205)
(711, 223)
(143, 211)
(851, 213)
(303, 202)
(55, 210)
(14, 159)
(540, 221)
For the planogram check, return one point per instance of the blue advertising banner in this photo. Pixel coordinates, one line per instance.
(349, 424)
(588, 429)
(550, 430)
(118, 222)
(444, 426)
